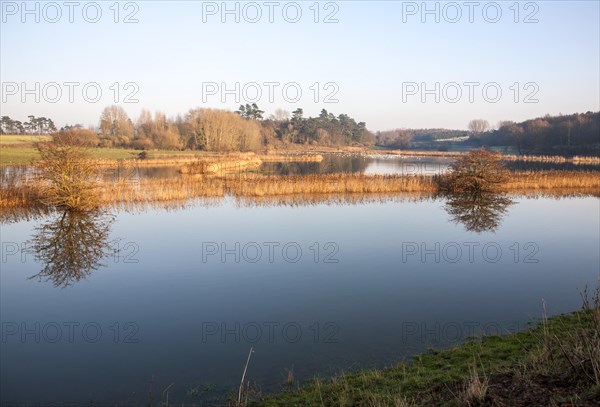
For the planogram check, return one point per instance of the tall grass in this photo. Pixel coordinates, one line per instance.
(321, 187)
(540, 180)
(267, 185)
(232, 163)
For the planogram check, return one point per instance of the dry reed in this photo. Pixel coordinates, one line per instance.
(565, 180)
(316, 188)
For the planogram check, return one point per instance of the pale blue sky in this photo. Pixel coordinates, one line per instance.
(369, 53)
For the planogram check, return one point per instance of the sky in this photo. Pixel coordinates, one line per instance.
(391, 64)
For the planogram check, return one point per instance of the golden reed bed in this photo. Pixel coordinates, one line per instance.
(230, 160)
(186, 187)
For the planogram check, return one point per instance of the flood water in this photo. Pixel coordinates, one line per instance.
(93, 308)
(331, 163)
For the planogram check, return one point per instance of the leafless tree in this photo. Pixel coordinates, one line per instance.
(475, 172)
(67, 177)
(478, 126)
(115, 122)
(281, 115)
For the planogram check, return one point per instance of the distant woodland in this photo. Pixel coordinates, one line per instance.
(577, 133)
(247, 130)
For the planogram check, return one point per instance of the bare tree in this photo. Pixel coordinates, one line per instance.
(67, 177)
(475, 172)
(75, 136)
(115, 122)
(478, 126)
(219, 130)
(281, 115)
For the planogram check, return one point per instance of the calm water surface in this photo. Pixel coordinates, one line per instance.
(331, 163)
(313, 288)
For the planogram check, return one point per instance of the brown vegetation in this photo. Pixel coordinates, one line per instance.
(26, 194)
(206, 165)
(76, 136)
(475, 172)
(67, 177)
(552, 180)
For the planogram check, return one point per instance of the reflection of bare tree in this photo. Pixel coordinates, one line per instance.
(478, 212)
(71, 246)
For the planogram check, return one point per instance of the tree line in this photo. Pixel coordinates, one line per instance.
(220, 130)
(577, 133)
(412, 138)
(35, 125)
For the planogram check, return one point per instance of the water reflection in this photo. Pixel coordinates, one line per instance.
(71, 246)
(481, 212)
(331, 164)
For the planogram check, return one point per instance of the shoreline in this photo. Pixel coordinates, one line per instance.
(112, 157)
(551, 363)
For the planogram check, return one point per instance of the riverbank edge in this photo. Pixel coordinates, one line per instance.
(543, 365)
(23, 156)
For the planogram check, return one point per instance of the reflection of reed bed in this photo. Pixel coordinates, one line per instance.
(23, 213)
(167, 206)
(552, 159)
(552, 180)
(331, 199)
(553, 193)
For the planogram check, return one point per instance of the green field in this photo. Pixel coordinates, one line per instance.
(16, 154)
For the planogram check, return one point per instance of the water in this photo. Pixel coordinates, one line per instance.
(331, 163)
(344, 287)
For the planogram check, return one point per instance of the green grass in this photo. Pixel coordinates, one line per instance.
(17, 154)
(8, 139)
(529, 359)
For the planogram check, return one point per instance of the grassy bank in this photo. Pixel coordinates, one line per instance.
(20, 149)
(556, 363)
(21, 155)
